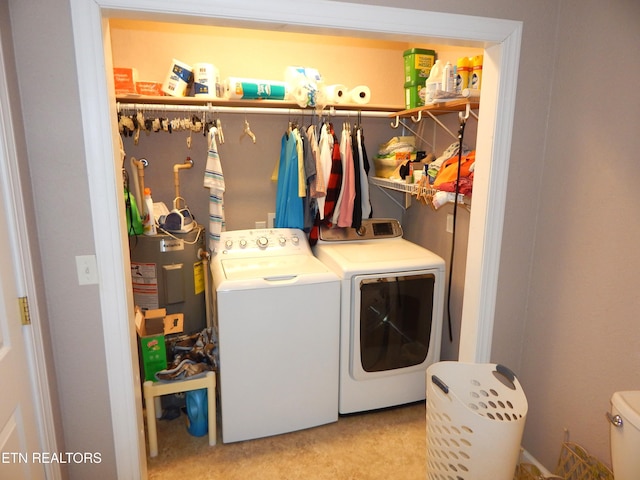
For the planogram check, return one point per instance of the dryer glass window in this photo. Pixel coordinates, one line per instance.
(395, 321)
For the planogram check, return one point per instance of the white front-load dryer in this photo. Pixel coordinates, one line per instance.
(277, 312)
(392, 297)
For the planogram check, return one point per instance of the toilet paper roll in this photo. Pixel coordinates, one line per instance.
(335, 94)
(177, 79)
(205, 80)
(300, 95)
(303, 84)
(360, 95)
(255, 89)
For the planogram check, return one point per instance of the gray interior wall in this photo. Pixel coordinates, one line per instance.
(567, 263)
(38, 305)
(582, 342)
(249, 190)
(45, 65)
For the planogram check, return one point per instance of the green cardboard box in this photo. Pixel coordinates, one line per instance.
(417, 65)
(152, 326)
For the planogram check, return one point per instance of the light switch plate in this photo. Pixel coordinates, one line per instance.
(449, 223)
(87, 269)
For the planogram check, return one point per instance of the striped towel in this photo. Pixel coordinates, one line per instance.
(214, 180)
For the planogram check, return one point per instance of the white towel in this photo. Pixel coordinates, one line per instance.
(214, 180)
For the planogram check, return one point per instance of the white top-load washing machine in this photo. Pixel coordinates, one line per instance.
(391, 313)
(277, 311)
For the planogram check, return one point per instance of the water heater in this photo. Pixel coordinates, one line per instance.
(167, 272)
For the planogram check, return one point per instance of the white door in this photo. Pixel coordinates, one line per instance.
(18, 432)
(20, 451)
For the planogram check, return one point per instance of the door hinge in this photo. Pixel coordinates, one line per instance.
(25, 316)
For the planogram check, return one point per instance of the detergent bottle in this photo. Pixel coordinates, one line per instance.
(197, 412)
(462, 74)
(134, 222)
(434, 82)
(476, 73)
(149, 221)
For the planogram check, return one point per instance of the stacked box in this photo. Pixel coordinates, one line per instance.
(414, 95)
(152, 326)
(417, 66)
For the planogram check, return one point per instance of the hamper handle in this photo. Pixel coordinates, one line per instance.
(508, 374)
(440, 384)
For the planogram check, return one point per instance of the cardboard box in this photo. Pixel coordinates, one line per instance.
(125, 80)
(152, 326)
(414, 95)
(153, 89)
(417, 64)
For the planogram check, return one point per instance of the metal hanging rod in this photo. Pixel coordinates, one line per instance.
(271, 110)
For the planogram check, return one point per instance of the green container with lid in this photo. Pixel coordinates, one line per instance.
(414, 94)
(417, 64)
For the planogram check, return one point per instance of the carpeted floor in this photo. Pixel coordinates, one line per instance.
(385, 444)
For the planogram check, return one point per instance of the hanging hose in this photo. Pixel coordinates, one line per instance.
(205, 256)
(463, 122)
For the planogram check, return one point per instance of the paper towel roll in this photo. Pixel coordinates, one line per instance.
(335, 94)
(255, 89)
(360, 95)
(293, 75)
(177, 79)
(205, 80)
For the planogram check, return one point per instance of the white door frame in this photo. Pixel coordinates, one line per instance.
(501, 40)
(12, 199)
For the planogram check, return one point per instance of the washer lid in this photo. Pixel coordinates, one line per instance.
(628, 405)
(369, 256)
(271, 267)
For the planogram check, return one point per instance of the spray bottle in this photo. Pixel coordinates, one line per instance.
(149, 221)
(447, 78)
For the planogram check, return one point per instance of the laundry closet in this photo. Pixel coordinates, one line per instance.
(249, 132)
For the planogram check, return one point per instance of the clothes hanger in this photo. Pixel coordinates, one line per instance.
(219, 131)
(247, 131)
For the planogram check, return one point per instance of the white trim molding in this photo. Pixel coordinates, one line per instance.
(501, 40)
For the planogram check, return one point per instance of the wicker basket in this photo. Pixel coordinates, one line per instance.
(576, 464)
(528, 471)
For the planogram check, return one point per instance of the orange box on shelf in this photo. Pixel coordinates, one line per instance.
(149, 88)
(124, 80)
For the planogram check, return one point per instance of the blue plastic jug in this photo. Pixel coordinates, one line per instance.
(197, 412)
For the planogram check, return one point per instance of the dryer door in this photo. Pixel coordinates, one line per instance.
(391, 323)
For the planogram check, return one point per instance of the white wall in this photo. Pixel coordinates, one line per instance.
(567, 270)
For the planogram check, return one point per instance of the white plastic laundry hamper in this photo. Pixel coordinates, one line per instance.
(475, 420)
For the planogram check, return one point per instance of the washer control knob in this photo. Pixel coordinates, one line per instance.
(228, 244)
(295, 240)
(243, 243)
(282, 241)
(262, 242)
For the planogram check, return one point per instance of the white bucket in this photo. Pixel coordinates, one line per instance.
(206, 80)
(177, 79)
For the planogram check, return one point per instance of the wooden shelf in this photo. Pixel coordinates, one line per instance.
(440, 108)
(223, 102)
